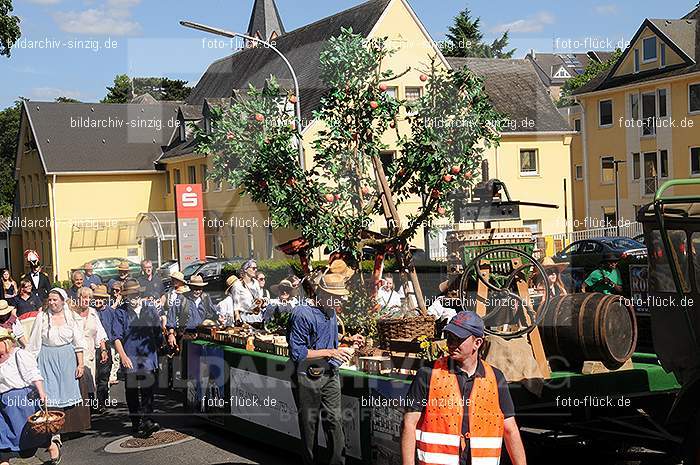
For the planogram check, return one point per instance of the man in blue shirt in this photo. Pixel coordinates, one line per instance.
(313, 345)
(191, 312)
(137, 338)
(91, 280)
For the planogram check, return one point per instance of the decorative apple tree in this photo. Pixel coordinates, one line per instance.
(332, 204)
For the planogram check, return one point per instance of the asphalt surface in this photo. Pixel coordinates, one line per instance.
(210, 446)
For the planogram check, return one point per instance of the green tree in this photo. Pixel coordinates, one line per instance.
(592, 70)
(67, 100)
(120, 92)
(9, 27)
(162, 88)
(466, 40)
(252, 145)
(9, 131)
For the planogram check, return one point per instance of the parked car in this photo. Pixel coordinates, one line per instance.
(211, 271)
(585, 255)
(106, 268)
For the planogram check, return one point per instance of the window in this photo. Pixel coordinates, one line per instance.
(233, 241)
(636, 60)
(392, 92)
(661, 94)
(577, 125)
(413, 93)
(25, 199)
(207, 124)
(694, 98)
(167, 181)
(634, 106)
(649, 114)
(660, 277)
(562, 73)
(176, 175)
(609, 219)
(636, 167)
(205, 181)
(605, 113)
(695, 161)
(607, 170)
(39, 191)
(534, 225)
(650, 173)
(663, 54)
(663, 158)
(529, 163)
(579, 172)
(251, 241)
(192, 175)
(649, 49)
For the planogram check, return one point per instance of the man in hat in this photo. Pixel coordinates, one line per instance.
(104, 370)
(152, 285)
(606, 278)
(195, 308)
(314, 349)
(123, 269)
(460, 408)
(40, 281)
(10, 322)
(284, 302)
(137, 338)
(90, 280)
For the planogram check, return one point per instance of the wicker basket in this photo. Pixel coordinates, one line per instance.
(47, 422)
(409, 327)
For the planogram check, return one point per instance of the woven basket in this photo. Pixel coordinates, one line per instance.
(409, 327)
(47, 422)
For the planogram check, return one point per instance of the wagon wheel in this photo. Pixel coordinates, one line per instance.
(506, 282)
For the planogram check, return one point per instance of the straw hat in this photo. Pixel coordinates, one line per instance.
(197, 281)
(123, 266)
(548, 263)
(177, 275)
(284, 286)
(5, 308)
(230, 281)
(6, 334)
(334, 279)
(100, 291)
(131, 287)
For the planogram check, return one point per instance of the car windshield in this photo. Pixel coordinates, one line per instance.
(625, 243)
(190, 269)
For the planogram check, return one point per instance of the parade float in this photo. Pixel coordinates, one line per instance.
(556, 353)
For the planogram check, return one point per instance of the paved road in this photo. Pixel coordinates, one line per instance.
(209, 446)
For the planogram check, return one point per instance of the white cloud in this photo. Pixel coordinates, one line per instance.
(608, 9)
(44, 2)
(98, 21)
(533, 23)
(50, 93)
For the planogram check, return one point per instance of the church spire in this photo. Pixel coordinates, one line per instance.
(265, 22)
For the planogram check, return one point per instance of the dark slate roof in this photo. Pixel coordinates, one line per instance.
(302, 47)
(265, 20)
(684, 37)
(127, 144)
(516, 92)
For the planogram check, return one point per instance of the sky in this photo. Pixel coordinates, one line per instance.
(87, 42)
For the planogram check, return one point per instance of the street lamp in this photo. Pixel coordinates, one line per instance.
(230, 34)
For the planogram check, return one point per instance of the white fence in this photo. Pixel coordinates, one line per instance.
(628, 230)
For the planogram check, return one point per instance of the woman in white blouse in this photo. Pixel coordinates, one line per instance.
(58, 342)
(247, 296)
(95, 336)
(20, 384)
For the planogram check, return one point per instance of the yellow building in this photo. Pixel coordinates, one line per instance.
(85, 172)
(642, 115)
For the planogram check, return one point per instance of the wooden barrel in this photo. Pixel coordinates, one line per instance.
(590, 326)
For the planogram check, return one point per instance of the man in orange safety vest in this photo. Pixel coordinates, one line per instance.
(459, 411)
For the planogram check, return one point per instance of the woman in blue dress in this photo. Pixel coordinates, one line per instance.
(20, 385)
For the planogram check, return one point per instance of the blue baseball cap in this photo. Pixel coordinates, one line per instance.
(465, 324)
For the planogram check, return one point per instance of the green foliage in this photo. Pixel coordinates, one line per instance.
(9, 134)
(66, 100)
(466, 40)
(592, 70)
(162, 88)
(120, 92)
(9, 27)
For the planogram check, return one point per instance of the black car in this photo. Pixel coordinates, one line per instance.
(586, 255)
(212, 272)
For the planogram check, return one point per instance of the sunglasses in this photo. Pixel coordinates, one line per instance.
(261, 279)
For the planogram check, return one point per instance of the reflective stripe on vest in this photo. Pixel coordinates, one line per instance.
(439, 437)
